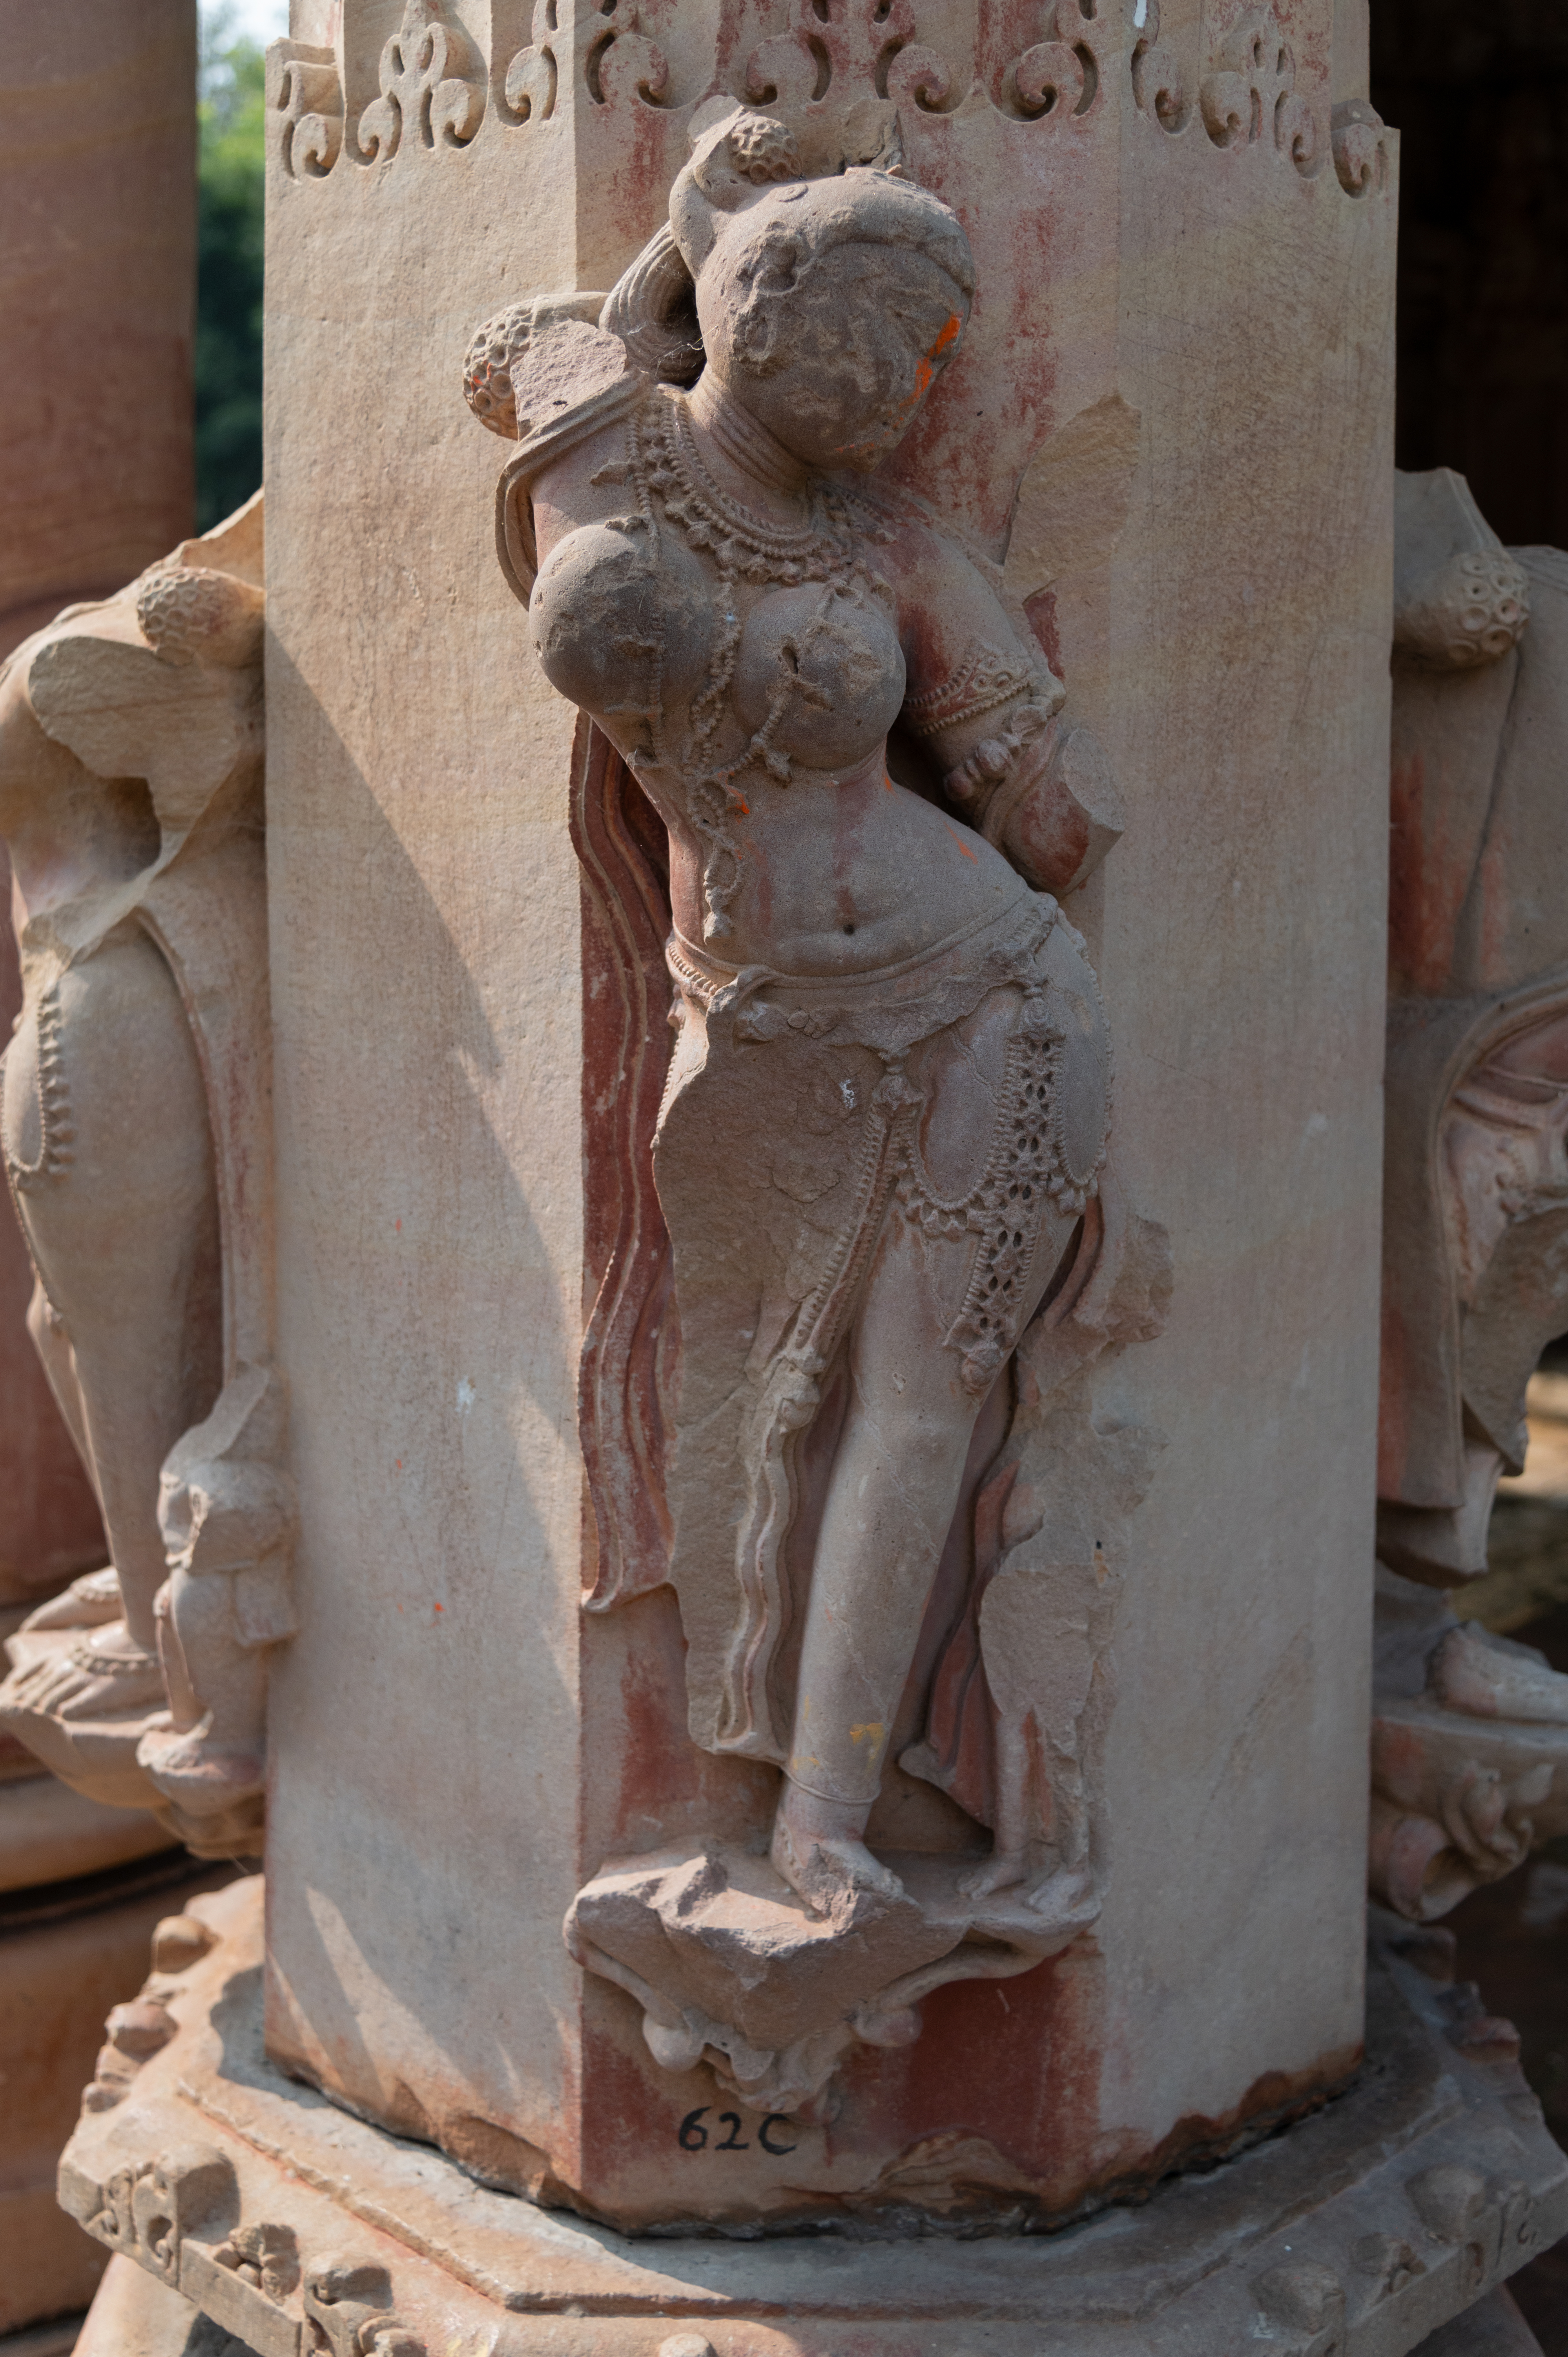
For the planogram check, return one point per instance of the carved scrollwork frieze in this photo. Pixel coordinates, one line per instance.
(1057, 75)
(533, 78)
(1159, 90)
(841, 56)
(1249, 98)
(146, 2210)
(600, 51)
(305, 109)
(178, 2207)
(864, 48)
(432, 86)
(348, 2312)
(1252, 94)
(1360, 148)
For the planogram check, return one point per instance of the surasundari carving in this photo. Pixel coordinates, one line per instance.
(135, 1126)
(884, 1123)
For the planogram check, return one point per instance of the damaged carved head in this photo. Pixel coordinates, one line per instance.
(827, 307)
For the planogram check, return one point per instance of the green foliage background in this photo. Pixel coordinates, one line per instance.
(229, 109)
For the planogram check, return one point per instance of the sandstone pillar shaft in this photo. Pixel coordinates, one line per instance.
(1175, 395)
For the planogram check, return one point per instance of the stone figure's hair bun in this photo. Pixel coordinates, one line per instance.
(188, 615)
(760, 148)
(1471, 611)
(488, 364)
(499, 347)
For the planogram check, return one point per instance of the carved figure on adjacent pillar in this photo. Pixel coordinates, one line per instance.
(1471, 1741)
(885, 1114)
(135, 1127)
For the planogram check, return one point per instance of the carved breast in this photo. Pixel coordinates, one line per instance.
(819, 675)
(622, 627)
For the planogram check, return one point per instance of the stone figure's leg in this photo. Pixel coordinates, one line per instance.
(53, 1346)
(890, 1501)
(123, 1226)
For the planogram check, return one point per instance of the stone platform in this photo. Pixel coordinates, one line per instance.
(1359, 2233)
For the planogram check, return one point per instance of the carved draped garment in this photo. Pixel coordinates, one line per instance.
(789, 1136)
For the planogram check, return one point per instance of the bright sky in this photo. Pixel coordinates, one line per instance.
(258, 20)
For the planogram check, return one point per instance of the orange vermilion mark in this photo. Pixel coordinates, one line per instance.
(923, 376)
(928, 365)
(960, 841)
(888, 782)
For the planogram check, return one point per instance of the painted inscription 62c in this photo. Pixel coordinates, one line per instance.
(694, 2135)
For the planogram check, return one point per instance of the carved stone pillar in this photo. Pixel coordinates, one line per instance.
(1178, 350)
(631, 1385)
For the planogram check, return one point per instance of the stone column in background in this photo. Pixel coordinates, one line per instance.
(97, 285)
(97, 280)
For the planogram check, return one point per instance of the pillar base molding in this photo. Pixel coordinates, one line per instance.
(296, 2228)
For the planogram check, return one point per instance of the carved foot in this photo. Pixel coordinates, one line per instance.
(81, 1702)
(1068, 1898)
(87, 1603)
(818, 1850)
(1473, 1674)
(1002, 1870)
(104, 1674)
(1065, 1899)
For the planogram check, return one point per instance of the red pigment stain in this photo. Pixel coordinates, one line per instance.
(656, 1761)
(1393, 1433)
(1021, 2069)
(441, 1608)
(1402, 1758)
(1429, 862)
(397, 1226)
(960, 841)
(887, 782)
(1041, 613)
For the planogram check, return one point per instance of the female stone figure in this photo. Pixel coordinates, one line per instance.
(887, 1103)
(133, 1131)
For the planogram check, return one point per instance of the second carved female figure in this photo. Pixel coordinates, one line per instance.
(887, 1105)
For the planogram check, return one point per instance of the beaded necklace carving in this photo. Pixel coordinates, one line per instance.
(743, 546)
